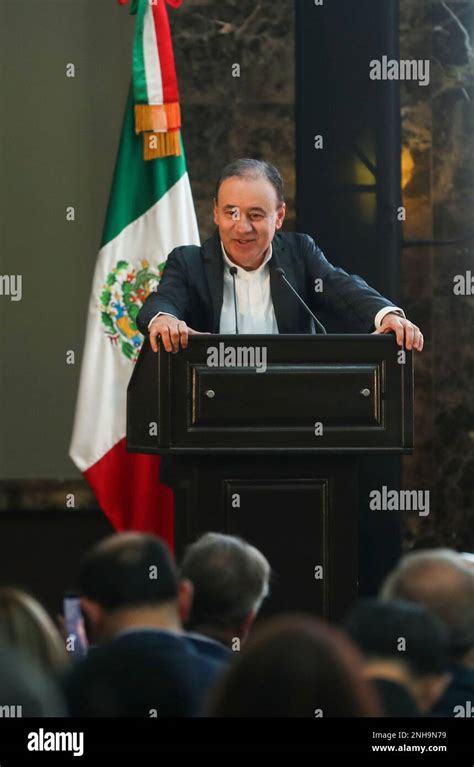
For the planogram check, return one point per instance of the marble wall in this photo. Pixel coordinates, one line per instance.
(227, 117)
(438, 131)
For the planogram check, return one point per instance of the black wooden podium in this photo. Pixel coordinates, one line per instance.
(265, 434)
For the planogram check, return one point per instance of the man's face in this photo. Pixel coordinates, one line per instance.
(247, 215)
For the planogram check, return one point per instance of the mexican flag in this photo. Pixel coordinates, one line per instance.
(150, 212)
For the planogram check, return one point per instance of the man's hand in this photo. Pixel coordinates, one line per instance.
(408, 334)
(174, 333)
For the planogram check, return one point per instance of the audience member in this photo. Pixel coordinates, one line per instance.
(295, 666)
(25, 690)
(143, 664)
(230, 581)
(405, 648)
(26, 626)
(441, 580)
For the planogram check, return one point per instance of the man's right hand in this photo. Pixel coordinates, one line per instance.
(174, 333)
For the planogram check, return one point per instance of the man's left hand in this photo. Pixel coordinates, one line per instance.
(408, 334)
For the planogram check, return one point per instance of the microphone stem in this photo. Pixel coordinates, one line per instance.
(235, 305)
(318, 323)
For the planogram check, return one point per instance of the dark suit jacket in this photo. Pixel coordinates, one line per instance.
(192, 284)
(210, 648)
(140, 671)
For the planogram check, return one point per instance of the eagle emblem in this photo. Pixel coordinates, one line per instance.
(123, 294)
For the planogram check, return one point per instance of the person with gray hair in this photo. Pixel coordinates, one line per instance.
(442, 581)
(230, 580)
(235, 281)
(198, 294)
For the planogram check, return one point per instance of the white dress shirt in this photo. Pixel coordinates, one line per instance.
(255, 311)
(254, 300)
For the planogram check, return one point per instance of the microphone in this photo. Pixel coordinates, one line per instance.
(281, 273)
(233, 271)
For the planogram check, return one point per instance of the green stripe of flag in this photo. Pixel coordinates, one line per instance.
(139, 73)
(138, 184)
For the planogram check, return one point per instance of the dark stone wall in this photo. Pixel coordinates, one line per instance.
(227, 117)
(438, 136)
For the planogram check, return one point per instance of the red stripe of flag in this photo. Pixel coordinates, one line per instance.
(165, 50)
(129, 492)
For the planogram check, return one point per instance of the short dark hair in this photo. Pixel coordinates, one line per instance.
(377, 627)
(119, 572)
(230, 579)
(249, 168)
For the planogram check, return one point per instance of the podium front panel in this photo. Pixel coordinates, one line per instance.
(271, 394)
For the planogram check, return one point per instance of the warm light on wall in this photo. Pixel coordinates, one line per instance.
(408, 167)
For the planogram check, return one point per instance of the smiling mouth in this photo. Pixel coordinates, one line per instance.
(244, 242)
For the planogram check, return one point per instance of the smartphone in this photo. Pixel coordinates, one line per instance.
(74, 626)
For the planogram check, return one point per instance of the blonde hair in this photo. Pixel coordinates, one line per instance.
(26, 626)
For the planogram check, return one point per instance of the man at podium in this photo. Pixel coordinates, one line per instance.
(250, 277)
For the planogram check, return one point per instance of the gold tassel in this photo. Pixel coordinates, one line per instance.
(157, 117)
(157, 145)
